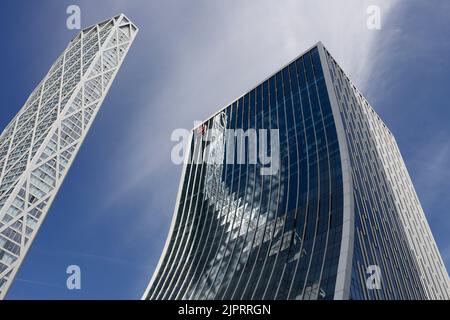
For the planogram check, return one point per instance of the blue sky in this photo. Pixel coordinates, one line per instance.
(190, 58)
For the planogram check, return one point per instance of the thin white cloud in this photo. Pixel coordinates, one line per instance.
(222, 49)
(429, 163)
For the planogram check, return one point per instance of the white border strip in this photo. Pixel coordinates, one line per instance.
(344, 272)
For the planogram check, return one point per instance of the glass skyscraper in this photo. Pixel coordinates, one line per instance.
(332, 215)
(39, 145)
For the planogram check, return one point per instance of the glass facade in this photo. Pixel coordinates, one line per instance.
(390, 228)
(339, 202)
(239, 234)
(40, 143)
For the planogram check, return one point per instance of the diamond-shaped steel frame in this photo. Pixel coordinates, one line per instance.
(39, 145)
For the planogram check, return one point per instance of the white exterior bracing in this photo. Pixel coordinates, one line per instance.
(39, 145)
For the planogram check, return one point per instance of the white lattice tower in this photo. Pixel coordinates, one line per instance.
(39, 145)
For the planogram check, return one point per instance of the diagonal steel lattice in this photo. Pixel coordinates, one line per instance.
(39, 145)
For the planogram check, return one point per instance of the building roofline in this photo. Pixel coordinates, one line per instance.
(317, 44)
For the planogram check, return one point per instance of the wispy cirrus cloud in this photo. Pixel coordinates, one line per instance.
(223, 49)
